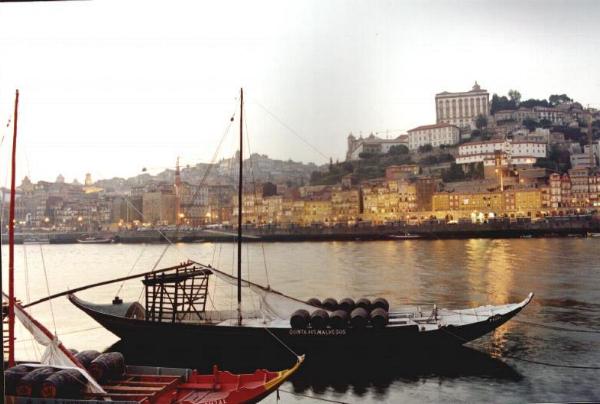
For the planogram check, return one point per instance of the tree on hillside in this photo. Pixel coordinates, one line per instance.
(530, 124)
(500, 103)
(454, 173)
(481, 122)
(398, 149)
(514, 96)
(426, 148)
(429, 160)
(315, 176)
(530, 103)
(556, 99)
(557, 160)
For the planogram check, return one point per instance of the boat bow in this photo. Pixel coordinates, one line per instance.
(482, 313)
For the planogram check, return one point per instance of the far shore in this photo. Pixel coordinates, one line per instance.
(568, 226)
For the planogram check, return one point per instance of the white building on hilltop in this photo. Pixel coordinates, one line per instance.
(435, 135)
(510, 152)
(372, 145)
(461, 109)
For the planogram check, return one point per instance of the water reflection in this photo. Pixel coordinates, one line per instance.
(355, 372)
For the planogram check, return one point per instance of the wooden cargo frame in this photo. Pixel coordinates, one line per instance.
(172, 295)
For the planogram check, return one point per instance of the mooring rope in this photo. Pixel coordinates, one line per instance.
(557, 328)
(519, 358)
(550, 364)
(281, 342)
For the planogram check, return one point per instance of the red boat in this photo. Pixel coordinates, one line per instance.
(147, 384)
(126, 384)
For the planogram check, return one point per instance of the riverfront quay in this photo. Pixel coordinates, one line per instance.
(499, 228)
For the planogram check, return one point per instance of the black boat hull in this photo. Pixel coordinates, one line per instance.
(140, 331)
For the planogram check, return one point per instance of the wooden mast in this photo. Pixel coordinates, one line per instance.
(239, 232)
(11, 244)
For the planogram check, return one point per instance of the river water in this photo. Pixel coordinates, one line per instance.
(519, 362)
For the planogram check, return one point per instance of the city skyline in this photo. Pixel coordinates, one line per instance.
(113, 98)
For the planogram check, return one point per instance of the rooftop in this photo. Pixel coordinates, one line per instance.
(434, 126)
(476, 89)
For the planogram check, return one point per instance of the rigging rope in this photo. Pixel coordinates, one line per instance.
(28, 297)
(131, 270)
(162, 254)
(164, 236)
(5, 131)
(289, 128)
(48, 289)
(214, 158)
(66, 333)
(262, 244)
(26, 273)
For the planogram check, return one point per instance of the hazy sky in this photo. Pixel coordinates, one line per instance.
(110, 87)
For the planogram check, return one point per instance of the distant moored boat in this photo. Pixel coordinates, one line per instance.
(95, 240)
(405, 236)
(36, 240)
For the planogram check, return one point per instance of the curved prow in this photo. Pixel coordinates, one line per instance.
(285, 374)
(527, 300)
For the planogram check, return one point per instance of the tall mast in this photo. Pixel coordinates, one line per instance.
(590, 141)
(240, 190)
(178, 216)
(11, 244)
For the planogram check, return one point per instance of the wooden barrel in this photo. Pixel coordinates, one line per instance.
(86, 357)
(319, 319)
(108, 366)
(330, 304)
(30, 385)
(364, 303)
(347, 304)
(359, 318)
(382, 303)
(66, 383)
(313, 301)
(300, 319)
(339, 319)
(12, 377)
(379, 318)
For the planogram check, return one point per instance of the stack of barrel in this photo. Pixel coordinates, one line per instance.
(343, 314)
(51, 382)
